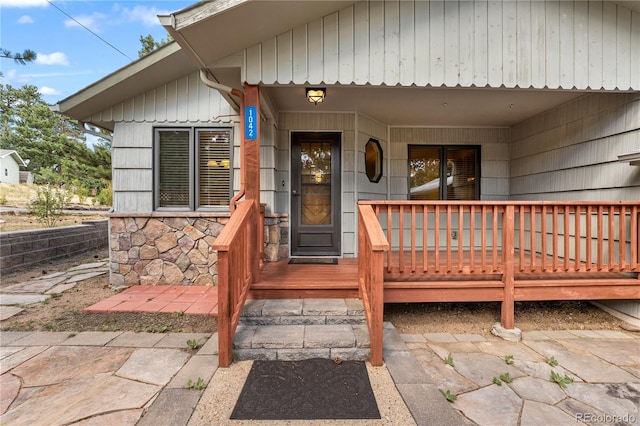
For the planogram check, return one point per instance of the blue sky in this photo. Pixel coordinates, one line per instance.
(69, 56)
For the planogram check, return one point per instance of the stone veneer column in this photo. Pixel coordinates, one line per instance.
(276, 237)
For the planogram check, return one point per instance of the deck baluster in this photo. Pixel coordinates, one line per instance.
(533, 251)
(460, 237)
(600, 232)
(425, 238)
(472, 237)
(436, 235)
(484, 238)
(635, 238)
(567, 236)
(622, 218)
(413, 239)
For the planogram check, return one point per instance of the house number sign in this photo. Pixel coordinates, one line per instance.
(250, 123)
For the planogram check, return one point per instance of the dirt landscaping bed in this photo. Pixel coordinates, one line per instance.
(21, 221)
(64, 313)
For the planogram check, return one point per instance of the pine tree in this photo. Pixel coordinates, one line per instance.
(54, 145)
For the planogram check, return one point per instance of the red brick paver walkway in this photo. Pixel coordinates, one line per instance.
(190, 300)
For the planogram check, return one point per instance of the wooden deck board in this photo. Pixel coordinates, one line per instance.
(281, 280)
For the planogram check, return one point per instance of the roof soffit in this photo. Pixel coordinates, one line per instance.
(240, 23)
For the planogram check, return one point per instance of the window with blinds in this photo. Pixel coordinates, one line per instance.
(444, 172)
(214, 164)
(193, 168)
(173, 165)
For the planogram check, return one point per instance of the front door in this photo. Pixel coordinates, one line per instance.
(315, 193)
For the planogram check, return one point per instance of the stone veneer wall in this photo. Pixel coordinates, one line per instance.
(276, 237)
(163, 249)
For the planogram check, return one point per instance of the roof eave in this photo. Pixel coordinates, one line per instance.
(13, 153)
(104, 93)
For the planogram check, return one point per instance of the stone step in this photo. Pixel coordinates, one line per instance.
(295, 329)
(303, 312)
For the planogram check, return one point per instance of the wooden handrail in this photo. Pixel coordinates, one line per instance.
(238, 267)
(372, 244)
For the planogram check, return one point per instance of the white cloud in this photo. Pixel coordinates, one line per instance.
(55, 58)
(49, 91)
(57, 74)
(26, 19)
(24, 3)
(15, 79)
(148, 16)
(10, 75)
(90, 21)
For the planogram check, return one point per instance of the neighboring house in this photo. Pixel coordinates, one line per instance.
(10, 163)
(527, 100)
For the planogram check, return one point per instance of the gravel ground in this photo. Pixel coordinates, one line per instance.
(219, 399)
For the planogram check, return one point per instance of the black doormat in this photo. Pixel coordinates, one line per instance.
(306, 390)
(313, 261)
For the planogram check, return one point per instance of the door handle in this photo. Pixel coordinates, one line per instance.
(294, 192)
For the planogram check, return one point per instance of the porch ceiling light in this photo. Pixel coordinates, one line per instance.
(316, 95)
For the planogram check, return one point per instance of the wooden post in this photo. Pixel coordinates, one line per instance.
(251, 164)
(372, 244)
(363, 254)
(508, 229)
(377, 308)
(225, 335)
(635, 238)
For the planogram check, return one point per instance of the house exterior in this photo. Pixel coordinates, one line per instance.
(10, 163)
(497, 100)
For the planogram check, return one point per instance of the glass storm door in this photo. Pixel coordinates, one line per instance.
(315, 194)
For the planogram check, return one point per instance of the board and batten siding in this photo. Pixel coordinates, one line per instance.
(185, 102)
(537, 44)
(268, 165)
(571, 152)
(366, 128)
(369, 128)
(494, 156)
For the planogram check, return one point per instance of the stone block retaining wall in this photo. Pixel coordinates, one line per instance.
(38, 246)
(174, 248)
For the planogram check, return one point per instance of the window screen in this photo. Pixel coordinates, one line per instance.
(444, 172)
(214, 164)
(424, 173)
(173, 162)
(461, 174)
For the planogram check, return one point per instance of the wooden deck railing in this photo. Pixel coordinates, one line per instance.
(503, 251)
(372, 241)
(238, 266)
(548, 237)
